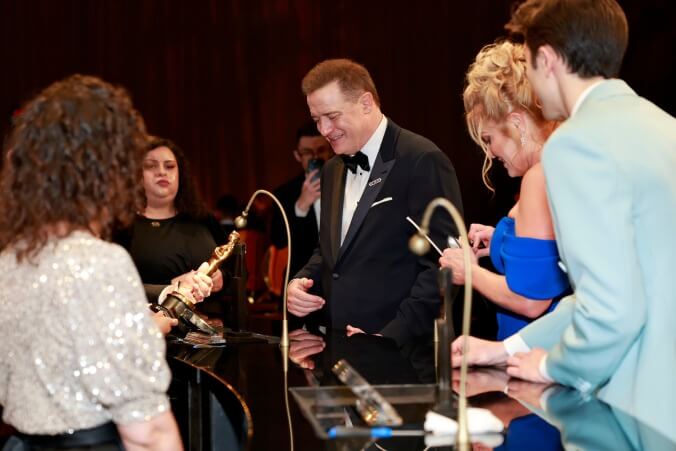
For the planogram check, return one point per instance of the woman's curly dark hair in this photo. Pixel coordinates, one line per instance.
(72, 162)
(188, 200)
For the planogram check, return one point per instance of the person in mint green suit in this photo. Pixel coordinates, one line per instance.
(609, 170)
(585, 422)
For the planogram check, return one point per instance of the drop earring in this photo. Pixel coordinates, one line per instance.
(523, 138)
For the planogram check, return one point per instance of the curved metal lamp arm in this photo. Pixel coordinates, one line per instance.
(420, 245)
(240, 222)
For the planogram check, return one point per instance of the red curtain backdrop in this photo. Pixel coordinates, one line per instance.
(222, 77)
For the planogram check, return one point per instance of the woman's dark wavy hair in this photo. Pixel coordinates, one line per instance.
(72, 159)
(188, 200)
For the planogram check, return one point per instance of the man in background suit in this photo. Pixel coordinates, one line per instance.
(300, 198)
(609, 171)
(362, 276)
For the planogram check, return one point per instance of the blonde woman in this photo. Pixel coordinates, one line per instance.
(504, 119)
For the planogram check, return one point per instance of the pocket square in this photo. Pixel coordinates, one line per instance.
(563, 267)
(381, 201)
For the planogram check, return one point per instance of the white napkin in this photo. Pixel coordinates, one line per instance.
(479, 421)
(492, 440)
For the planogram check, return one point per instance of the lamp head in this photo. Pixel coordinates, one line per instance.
(418, 245)
(241, 221)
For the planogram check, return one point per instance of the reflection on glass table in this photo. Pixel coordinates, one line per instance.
(536, 416)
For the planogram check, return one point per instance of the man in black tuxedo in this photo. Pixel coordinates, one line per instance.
(362, 275)
(300, 198)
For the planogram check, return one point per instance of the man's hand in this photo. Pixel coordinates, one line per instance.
(527, 392)
(480, 234)
(302, 345)
(526, 365)
(480, 352)
(454, 259)
(164, 323)
(299, 301)
(481, 380)
(310, 191)
(351, 330)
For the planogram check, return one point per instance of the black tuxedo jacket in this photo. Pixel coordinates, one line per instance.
(304, 233)
(373, 281)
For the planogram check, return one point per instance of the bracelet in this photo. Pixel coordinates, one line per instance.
(158, 308)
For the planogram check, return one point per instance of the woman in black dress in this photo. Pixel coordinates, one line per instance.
(173, 235)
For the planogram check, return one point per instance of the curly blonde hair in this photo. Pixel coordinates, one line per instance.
(496, 85)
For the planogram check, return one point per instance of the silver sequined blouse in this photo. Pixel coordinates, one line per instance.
(78, 347)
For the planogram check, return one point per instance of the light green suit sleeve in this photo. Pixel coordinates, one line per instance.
(548, 330)
(592, 208)
(587, 423)
(584, 421)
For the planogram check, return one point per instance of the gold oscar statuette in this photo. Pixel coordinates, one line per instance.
(181, 307)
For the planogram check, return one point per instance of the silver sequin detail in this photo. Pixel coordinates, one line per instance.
(83, 349)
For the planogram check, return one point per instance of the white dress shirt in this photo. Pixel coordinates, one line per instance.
(583, 95)
(356, 182)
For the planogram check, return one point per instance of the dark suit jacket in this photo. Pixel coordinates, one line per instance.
(373, 281)
(304, 234)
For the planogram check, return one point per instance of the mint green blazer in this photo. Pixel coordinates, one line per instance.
(611, 181)
(586, 423)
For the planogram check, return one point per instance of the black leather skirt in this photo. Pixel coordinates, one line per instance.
(100, 438)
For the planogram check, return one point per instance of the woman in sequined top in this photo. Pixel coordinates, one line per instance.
(80, 355)
(504, 118)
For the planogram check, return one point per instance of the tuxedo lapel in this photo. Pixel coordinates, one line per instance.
(381, 168)
(380, 171)
(336, 208)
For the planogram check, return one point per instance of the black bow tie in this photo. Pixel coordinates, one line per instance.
(359, 159)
